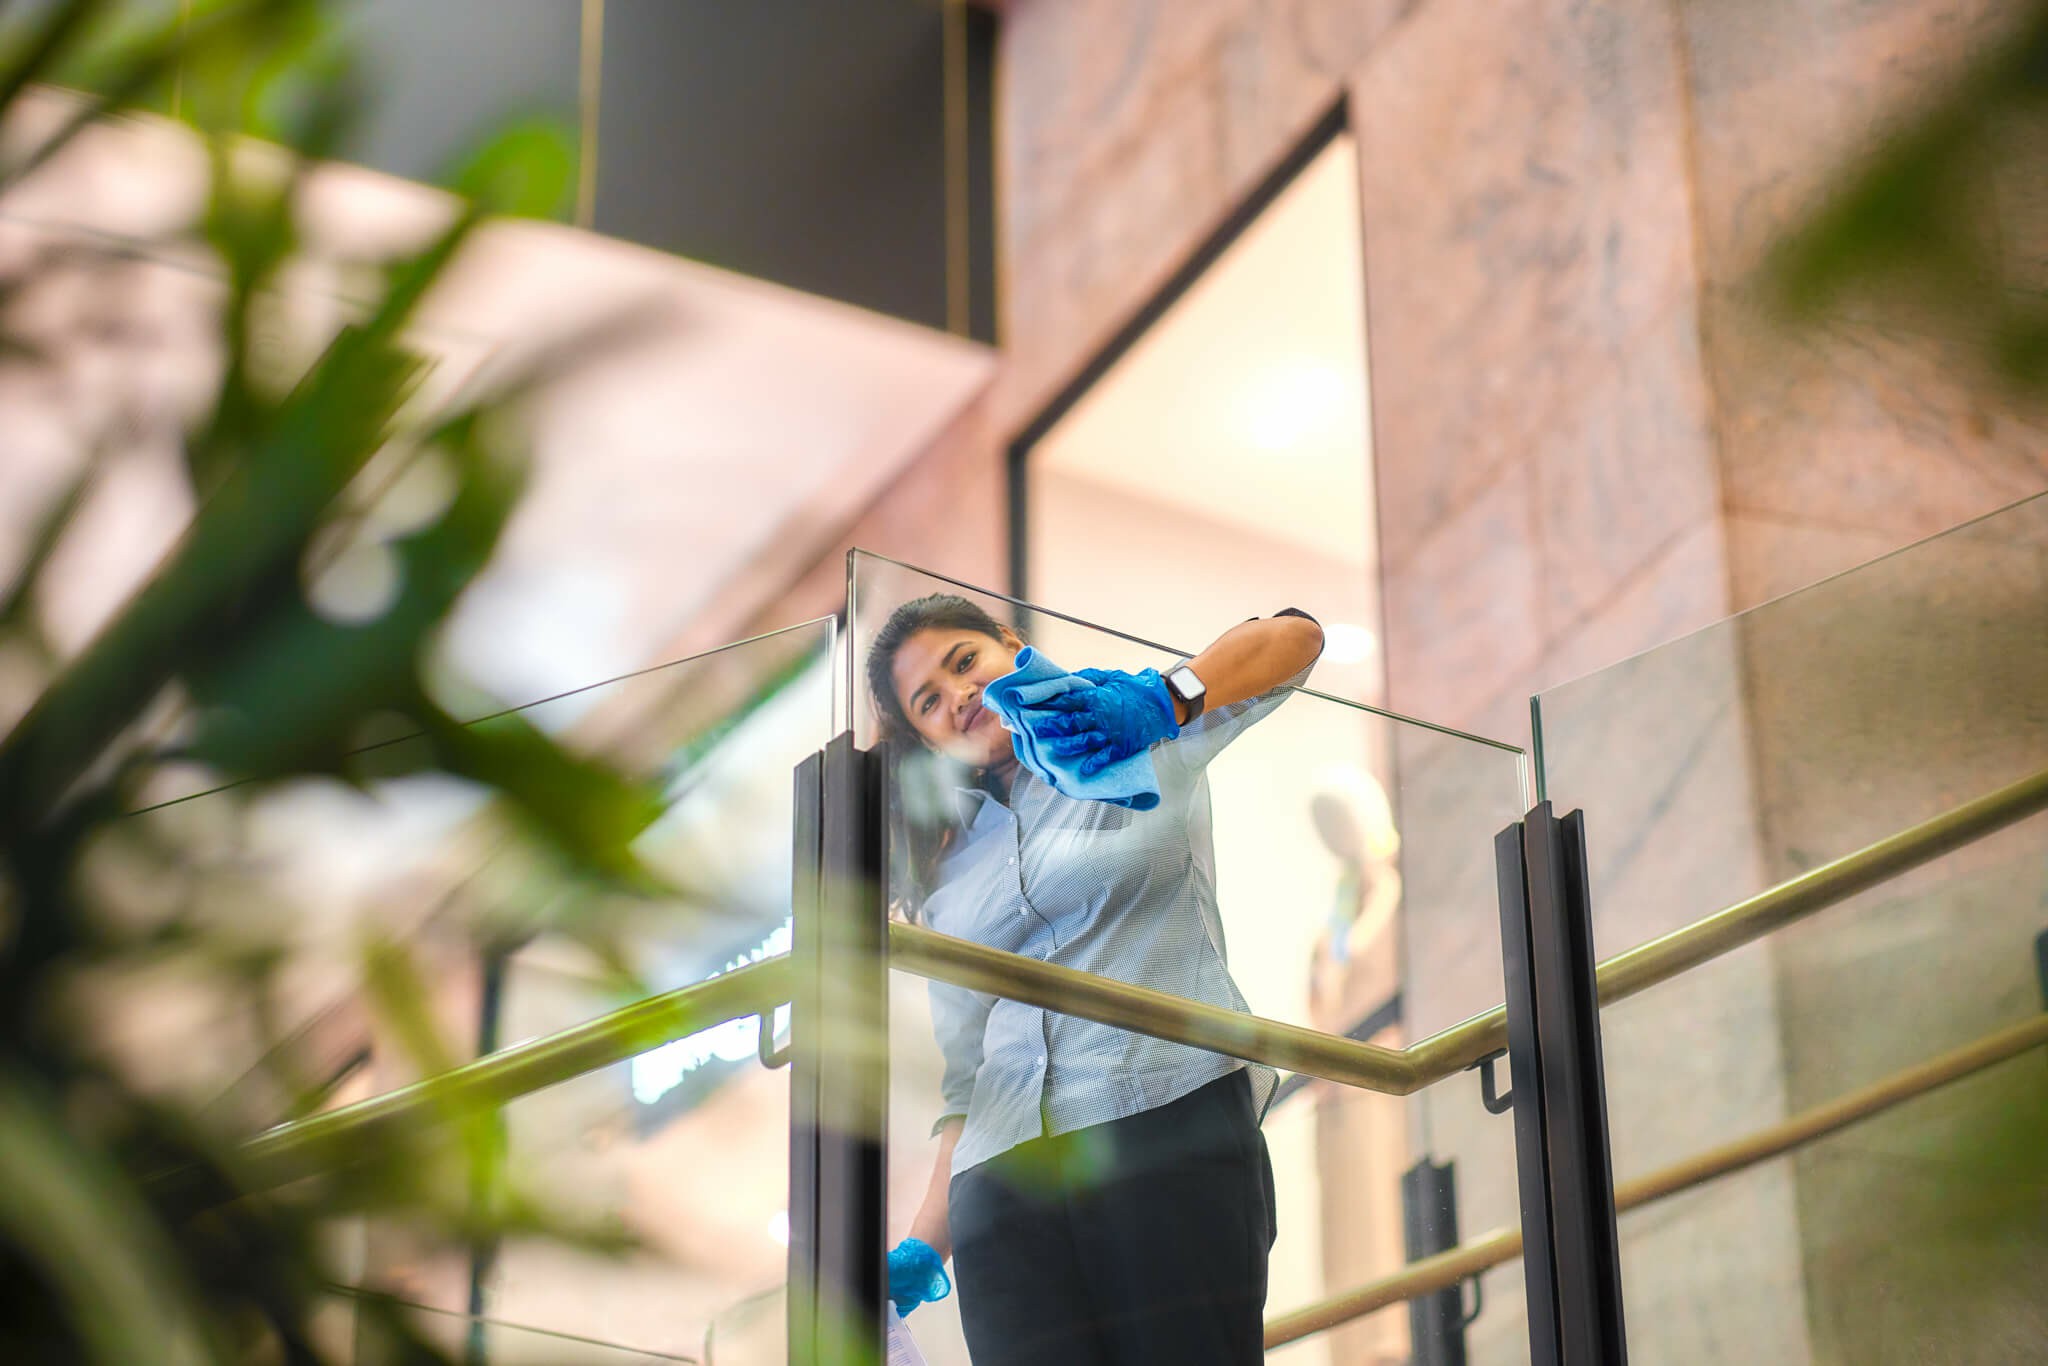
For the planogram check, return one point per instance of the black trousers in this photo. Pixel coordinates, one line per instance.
(1143, 1240)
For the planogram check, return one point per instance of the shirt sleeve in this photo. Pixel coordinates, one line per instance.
(1205, 737)
(959, 1020)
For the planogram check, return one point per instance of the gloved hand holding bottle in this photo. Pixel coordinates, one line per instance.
(917, 1275)
(1119, 715)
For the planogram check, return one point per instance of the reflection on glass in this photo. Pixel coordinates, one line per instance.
(683, 1149)
(681, 1152)
(1751, 752)
(1255, 859)
(471, 1338)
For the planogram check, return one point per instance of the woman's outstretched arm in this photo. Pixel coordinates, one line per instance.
(1253, 657)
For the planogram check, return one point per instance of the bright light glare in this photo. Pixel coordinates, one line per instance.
(1287, 406)
(656, 1073)
(778, 1227)
(1344, 643)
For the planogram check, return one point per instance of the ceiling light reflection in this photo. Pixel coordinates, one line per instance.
(1344, 643)
(1289, 405)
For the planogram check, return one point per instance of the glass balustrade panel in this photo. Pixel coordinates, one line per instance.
(1350, 856)
(651, 1195)
(471, 1338)
(684, 1149)
(1759, 750)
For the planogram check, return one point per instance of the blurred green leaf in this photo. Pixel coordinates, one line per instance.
(583, 806)
(290, 692)
(75, 1213)
(237, 639)
(37, 52)
(1914, 227)
(527, 170)
(243, 546)
(249, 224)
(399, 995)
(295, 696)
(49, 532)
(121, 65)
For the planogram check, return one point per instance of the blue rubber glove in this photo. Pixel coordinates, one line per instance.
(916, 1275)
(1120, 715)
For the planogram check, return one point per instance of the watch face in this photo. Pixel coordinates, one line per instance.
(1186, 684)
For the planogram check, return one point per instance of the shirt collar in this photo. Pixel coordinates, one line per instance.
(976, 805)
(967, 805)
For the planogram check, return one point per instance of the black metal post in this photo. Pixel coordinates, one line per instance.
(1571, 1250)
(806, 852)
(2041, 964)
(484, 1254)
(1429, 1210)
(839, 1054)
(1539, 1278)
(1581, 1163)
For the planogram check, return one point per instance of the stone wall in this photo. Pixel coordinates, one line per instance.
(1588, 441)
(1879, 700)
(1842, 443)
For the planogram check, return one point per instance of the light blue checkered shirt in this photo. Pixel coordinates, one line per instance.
(1087, 885)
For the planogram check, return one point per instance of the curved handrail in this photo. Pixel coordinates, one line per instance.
(1163, 1015)
(338, 1136)
(513, 1072)
(1659, 960)
(1445, 1269)
(1403, 1071)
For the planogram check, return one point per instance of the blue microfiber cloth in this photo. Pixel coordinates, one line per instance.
(1129, 782)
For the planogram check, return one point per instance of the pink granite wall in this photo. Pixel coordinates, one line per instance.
(1547, 468)
(1844, 442)
(1588, 442)
(1879, 700)
(1875, 701)
(1548, 497)
(1549, 504)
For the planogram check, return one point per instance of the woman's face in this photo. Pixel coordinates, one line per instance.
(939, 674)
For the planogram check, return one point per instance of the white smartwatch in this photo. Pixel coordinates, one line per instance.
(1183, 684)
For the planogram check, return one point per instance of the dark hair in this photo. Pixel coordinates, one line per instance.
(918, 774)
(944, 611)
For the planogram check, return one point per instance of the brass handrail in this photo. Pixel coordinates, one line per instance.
(510, 1073)
(1625, 974)
(1448, 1268)
(1163, 1015)
(1403, 1071)
(303, 1146)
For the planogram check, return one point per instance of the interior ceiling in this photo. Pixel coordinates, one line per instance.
(740, 415)
(1247, 402)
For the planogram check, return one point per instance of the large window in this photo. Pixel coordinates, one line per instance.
(1220, 464)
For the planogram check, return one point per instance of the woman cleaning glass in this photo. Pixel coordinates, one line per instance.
(1106, 1197)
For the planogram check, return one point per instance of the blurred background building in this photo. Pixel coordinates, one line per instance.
(1433, 318)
